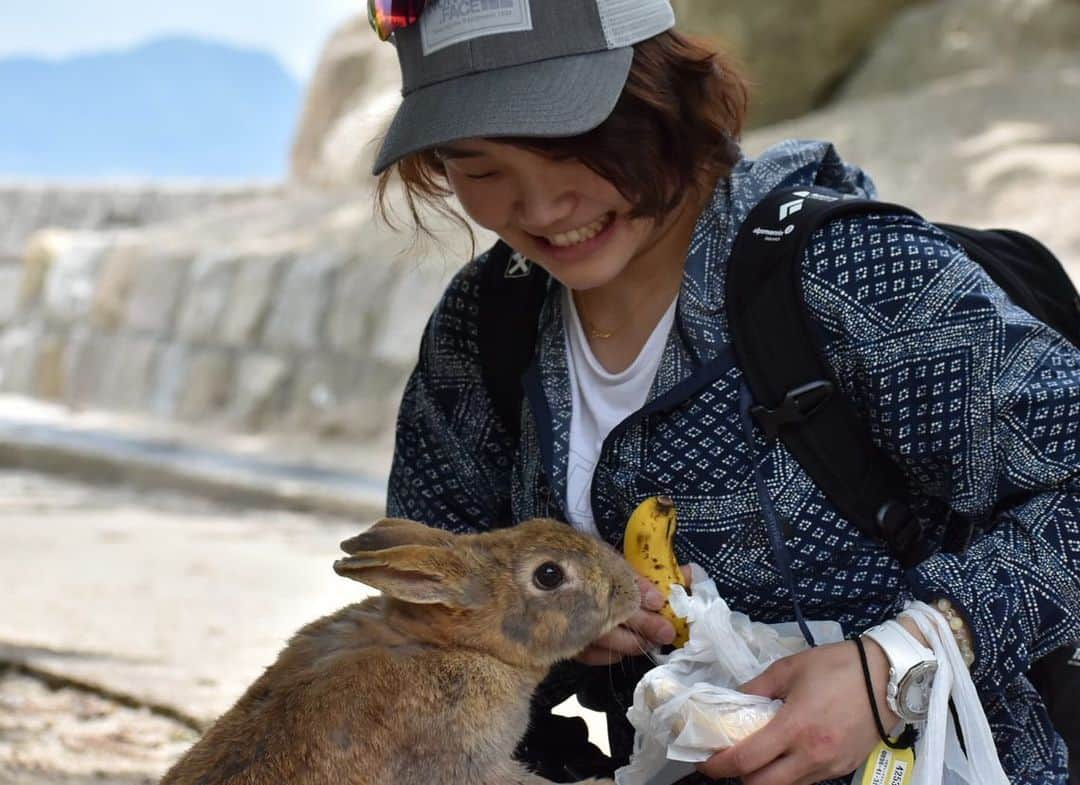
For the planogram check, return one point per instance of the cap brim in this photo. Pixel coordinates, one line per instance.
(564, 96)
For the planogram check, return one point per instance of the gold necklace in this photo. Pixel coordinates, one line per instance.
(600, 333)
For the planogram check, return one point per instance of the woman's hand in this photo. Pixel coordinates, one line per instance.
(825, 728)
(641, 632)
(645, 629)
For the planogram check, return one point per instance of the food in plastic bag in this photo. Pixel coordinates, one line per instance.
(719, 716)
(689, 706)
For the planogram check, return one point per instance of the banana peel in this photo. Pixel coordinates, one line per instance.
(648, 545)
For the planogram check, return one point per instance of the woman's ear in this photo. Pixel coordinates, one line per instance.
(392, 532)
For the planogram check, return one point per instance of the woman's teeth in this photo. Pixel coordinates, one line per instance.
(580, 235)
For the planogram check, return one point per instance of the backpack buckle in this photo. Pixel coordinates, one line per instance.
(798, 405)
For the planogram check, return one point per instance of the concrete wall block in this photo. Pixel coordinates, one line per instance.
(397, 334)
(49, 371)
(84, 366)
(10, 283)
(26, 216)
(167, 380)
(41, 249)
(19, 348)
(256, 280)
(210, 288)
(116, 277)
(72, 278)
(156, 291)
(297, 314)
(129, 372)
(336, 396)
(204, 392)
(259, 390)
(358, 296)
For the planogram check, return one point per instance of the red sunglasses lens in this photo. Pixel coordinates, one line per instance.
(386, 16)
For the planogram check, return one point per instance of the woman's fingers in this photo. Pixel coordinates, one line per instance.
(651, 598)
(641, 632)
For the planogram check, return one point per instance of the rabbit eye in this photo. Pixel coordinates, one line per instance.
(548, 576)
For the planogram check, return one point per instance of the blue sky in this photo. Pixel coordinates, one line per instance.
(294, 30)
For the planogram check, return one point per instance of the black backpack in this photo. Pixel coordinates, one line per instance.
(796, 398)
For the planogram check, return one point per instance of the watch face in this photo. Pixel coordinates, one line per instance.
(914, 690)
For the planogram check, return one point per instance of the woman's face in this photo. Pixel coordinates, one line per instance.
(559, 214)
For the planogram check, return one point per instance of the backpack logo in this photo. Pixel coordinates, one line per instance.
(773, 235)
(788, 209)
(519, 267)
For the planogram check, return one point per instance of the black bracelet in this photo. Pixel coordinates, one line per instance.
(906, 739)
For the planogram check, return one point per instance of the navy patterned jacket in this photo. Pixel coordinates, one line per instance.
(976, 401)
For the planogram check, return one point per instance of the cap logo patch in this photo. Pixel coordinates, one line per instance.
(450, 22)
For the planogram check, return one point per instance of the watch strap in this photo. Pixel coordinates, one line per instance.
(904, 652)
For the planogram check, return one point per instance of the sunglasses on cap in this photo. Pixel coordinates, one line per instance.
(386, 16)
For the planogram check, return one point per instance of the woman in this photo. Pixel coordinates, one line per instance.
(602, 147)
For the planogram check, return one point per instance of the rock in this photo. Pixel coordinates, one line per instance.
(795, 51)
(355, 85)
(962, 35)
(990, 147)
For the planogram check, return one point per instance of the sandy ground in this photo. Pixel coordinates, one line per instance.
(171, 604)
(66, 736)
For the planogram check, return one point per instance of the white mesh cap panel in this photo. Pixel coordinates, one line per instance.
(626, 22)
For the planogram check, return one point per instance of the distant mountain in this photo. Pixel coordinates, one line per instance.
(174, 107)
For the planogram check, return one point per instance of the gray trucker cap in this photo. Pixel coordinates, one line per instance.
(491, 68)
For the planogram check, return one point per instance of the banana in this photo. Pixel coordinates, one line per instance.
(647, 546)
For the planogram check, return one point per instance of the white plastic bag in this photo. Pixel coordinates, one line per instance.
(688, 707)
(940, 759)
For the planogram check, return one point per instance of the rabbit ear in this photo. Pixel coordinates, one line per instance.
(392, 532)
(421, 574)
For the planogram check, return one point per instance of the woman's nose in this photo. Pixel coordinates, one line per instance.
(542, 205)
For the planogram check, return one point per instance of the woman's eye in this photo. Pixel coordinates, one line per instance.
(483, 176)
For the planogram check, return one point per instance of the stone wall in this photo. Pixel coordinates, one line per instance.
(28, 206)
(294, 313)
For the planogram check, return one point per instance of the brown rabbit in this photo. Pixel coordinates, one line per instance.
(430, 682)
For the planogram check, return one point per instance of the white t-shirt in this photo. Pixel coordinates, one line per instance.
(600, 401)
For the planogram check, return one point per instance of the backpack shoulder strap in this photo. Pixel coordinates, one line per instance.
(511, 294)
(797, 399)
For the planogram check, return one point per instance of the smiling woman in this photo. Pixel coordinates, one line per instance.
(603, 150)
(683, 104)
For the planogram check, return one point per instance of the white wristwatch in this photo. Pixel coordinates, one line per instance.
(912, 667)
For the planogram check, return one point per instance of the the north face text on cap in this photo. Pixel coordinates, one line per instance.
(451, 22)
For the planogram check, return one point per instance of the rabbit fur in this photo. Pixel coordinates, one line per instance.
(429, 682)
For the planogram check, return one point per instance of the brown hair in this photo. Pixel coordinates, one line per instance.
(676, 124)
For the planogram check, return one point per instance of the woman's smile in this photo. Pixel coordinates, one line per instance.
(578, 243)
